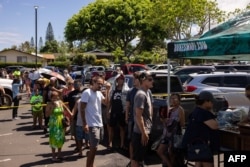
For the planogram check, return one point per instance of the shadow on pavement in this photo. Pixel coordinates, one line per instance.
(68, 157)
(35, 133)
(24, 128)
(5, 120)
(24, 123)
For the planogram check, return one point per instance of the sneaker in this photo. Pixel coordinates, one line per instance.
(16, 118)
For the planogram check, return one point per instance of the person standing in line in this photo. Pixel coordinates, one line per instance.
(47, 90)
(116, 108)
(37, 108)
(91, 114)
(65, 92)
(44, 88)
(173, 124)
(16, 98)
(54, 110)
(71, 99)
(129, 115)
(202, 124)
(80, 133)
(104, 135)
(143, 119)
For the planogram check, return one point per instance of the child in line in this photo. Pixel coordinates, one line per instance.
(37, 108)
(80, 134)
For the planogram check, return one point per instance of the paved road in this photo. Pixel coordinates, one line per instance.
(20, 146)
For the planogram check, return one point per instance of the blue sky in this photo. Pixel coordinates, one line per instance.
(17, 17)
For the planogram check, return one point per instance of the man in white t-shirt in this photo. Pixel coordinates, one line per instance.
(91, 113)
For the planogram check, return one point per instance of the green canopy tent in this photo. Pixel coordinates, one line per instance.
(228, 41)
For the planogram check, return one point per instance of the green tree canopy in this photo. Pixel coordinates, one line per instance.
(50, 47)
(112, 24)
(178, 17)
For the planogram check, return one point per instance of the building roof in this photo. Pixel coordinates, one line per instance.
(48, 56)
(99, 53)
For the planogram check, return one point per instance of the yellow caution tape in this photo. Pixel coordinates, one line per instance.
(21, 106)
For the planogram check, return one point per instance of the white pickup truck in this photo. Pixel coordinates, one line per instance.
(7, 85)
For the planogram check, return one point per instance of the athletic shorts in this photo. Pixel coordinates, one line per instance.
(117, 119)
(139, 151)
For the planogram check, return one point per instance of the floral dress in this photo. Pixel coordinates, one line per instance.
(56, 130)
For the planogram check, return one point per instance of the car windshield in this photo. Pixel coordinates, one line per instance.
(160, 85)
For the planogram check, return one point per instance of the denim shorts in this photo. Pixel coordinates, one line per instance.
(80, 134)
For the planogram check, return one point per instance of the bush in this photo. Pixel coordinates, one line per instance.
(27, 65)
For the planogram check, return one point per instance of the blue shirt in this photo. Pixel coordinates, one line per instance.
(15, 89)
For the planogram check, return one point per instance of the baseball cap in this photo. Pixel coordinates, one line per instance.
(206, 95)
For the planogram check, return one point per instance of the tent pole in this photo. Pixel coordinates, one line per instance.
(168, 88)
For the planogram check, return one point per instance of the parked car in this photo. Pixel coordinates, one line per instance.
(13, 68)
(161, 67)
(90, 69)
(184, 71)
(150, 65)
(77, 71)
(233, 67)
(131, 68)
(7, 85)
(219, 82)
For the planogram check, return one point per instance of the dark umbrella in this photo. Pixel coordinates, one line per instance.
(50, 74)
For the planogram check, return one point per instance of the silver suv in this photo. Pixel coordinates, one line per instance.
(184, 71)
(217, 82)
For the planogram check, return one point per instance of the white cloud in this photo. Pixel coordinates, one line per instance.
(231, 5)
(8, 38)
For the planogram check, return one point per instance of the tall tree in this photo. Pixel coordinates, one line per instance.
(40, 44)
(25, 47)
(113, 24)
(32, 43)
(49, 33)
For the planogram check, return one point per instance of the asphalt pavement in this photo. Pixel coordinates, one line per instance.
(22, 146)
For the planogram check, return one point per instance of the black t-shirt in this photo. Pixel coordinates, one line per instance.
(197, 129)
(116, 102)
(71, 98)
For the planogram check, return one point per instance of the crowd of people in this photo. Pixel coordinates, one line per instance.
(94, 111)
